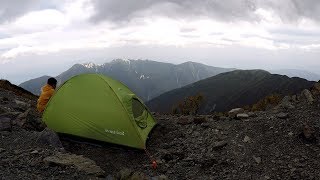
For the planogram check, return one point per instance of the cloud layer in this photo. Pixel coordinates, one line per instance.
(31, 30)
(227, 10)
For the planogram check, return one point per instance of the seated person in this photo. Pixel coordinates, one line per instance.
(46, 93)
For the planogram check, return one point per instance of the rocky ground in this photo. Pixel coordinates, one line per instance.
(280, 143)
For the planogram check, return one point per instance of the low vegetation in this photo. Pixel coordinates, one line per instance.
(189, 106)
(267, 102)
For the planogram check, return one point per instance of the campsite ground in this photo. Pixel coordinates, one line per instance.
(266, 145)
(261, 147)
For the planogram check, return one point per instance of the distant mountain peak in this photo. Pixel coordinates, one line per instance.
(89, 65)
(126, 61)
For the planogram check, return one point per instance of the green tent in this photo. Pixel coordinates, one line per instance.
(98, 107)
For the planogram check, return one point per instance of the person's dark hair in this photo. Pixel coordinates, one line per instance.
(52, 82)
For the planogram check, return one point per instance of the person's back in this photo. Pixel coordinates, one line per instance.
(46, 93)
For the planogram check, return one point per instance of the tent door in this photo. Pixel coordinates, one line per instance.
(140, 113)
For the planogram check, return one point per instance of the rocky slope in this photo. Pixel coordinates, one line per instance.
(147, 79)
(282, 143)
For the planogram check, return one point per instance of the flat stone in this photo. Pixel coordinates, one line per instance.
(34, 152)
(283, 115)
(242, 116)
(81, 163)
(219, 144)
(232, 113)
(252, 114)
(237, 110)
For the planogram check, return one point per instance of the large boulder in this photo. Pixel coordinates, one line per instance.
(286, 103)
(317, 86)
(22, 118)
(4, 100)
(307, 94)
(316, 89)
(30, 120)
(233, 113)
(21, 103)
(308, 134)
(49, 137)
(83, 164)
(3, 110)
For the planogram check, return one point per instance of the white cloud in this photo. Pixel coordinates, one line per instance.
(43, 19)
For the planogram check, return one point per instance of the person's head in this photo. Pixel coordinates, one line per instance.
(52, 82)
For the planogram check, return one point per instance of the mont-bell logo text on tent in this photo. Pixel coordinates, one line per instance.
(116, 132)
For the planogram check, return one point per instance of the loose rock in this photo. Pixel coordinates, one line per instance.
(257, 159)
(124, 174)
(246, 139)
(220, 144)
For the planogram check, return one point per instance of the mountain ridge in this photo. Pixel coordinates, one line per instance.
(230, 90)
(146, 78)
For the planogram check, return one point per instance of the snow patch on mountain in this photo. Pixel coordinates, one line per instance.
(142, 76)
(125, 61)
(89, 65)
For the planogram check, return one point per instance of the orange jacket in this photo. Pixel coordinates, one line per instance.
(46, 93)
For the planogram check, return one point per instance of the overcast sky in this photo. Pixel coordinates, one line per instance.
(39, 37)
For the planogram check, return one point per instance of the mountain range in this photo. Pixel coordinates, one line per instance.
(297, 73)
(148, 79)
(230, 90)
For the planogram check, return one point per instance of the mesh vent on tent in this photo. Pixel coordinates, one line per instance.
(139, 113)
